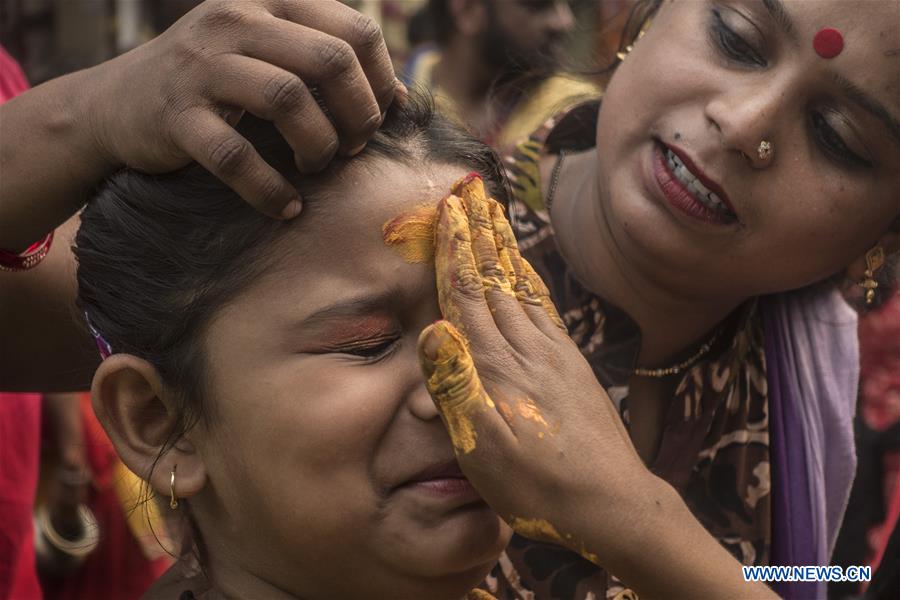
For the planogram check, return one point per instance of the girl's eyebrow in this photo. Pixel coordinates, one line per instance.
(365, 304)
(343, 309)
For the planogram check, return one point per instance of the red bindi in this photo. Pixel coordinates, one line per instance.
(828, 43)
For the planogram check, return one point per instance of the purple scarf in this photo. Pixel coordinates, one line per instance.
(812, 363)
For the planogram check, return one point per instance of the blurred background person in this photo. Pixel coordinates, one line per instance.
(495, 65)
(97, 534)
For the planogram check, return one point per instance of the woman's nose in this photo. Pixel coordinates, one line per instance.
(563, 20)
(746, 121)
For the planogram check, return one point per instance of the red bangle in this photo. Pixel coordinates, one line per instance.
(33, 255)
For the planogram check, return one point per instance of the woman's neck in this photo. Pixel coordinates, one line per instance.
(671, 324)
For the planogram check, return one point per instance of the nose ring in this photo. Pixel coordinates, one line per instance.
(764, 150)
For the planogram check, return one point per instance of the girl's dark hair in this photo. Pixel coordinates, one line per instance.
(159, 254)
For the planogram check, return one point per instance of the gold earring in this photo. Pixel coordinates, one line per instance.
(874, 260)
(173, 497)
(622, 54)
(764, 150)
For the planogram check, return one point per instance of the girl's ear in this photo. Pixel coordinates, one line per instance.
(130, 402)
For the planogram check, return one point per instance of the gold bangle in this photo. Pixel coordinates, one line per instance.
(85, 544)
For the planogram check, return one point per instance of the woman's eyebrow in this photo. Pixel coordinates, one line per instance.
(853, 92)
(868, 103)
(780, 15)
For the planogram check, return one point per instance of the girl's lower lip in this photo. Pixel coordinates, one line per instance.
(445, 488)
(677, 195)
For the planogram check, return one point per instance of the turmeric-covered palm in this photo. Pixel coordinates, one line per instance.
(494, 364)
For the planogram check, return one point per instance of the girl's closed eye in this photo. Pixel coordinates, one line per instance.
(368, 338)
(372, 350)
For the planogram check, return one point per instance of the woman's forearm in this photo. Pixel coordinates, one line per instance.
(657, 547)
(43, 341)
(49, 158)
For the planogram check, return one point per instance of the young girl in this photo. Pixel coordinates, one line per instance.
(262, 375)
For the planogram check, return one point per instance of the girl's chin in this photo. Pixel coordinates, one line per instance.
(464, 546)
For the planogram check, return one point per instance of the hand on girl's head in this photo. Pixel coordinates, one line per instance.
(177, 98)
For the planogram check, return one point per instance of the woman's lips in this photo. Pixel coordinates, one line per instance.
(679, 197)
(697, 172)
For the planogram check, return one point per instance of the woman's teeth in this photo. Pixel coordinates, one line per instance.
(707, 198)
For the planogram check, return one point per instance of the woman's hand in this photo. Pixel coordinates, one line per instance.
(535, 432)
(532, 427)
(155, 109)
(176, 98)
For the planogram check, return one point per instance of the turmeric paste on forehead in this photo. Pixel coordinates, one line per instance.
(412, 233)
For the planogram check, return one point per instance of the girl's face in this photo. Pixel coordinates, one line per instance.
(708, 82)
(329, 471)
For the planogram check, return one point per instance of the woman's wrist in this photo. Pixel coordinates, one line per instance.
(87, 123)
(628, 513)
(62, 159)
(659, 546)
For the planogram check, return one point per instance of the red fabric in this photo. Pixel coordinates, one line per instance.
(12, 80)
(879, 348)
(117, 568)
(879, 535)
(879, 345)
(20, 422)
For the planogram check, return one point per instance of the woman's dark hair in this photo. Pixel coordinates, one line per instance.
(159, 254)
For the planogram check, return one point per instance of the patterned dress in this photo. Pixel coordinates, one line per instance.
(715, 443)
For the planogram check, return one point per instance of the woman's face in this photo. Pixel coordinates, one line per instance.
(330, 473)
(708, 82)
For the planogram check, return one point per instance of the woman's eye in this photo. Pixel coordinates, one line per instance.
(832, 144)
(372, 350)
(731, 44)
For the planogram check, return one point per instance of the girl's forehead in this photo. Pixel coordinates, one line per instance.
(367, 193)
(345, 219)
